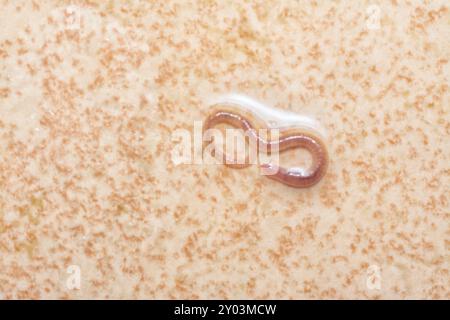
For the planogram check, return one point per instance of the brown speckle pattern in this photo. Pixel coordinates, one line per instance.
(91, 91)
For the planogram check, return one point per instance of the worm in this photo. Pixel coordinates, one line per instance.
(289, 139)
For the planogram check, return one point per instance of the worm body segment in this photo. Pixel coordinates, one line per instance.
(290, 138)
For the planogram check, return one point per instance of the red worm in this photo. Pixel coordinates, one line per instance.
(289, 139)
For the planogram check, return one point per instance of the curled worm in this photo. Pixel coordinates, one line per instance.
(289, 138)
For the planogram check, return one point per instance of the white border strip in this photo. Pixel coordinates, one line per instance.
(274, 118)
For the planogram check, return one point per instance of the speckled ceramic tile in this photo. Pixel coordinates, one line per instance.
(92, 204)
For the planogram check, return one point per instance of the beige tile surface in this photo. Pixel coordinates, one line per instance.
(91, 92)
